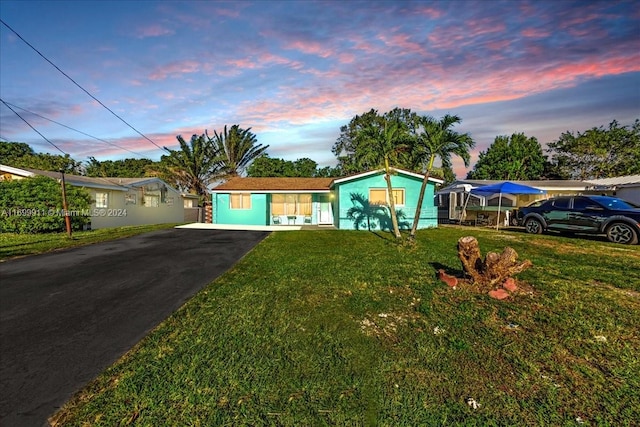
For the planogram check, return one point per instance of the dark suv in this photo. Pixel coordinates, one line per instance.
(618, 219)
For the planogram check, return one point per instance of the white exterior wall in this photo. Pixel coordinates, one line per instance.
(121, 212)
(631, 194)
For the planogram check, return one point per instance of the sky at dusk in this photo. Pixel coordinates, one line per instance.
(295, 71)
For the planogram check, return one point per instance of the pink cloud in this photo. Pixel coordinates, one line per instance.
(498, 44)
(534, 33)
(153, 31)
(309, 47)
(346, 58)
(244, 63)
(445, 89)
(403, 42)
(364, 46)
(263, 60)
(174, 69)
(429, 12)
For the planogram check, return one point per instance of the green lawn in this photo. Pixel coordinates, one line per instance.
(346, 328)
(14, 245)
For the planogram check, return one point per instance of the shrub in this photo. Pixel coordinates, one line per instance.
(34, 205)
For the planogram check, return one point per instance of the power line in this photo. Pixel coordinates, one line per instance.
(76, 130)
(29, 124)
(77, 84)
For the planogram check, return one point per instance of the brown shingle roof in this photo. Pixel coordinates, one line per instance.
(275, 184)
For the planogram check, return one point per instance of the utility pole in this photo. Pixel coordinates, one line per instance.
(67, 219)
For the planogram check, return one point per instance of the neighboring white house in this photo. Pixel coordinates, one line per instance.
(624, 187)
(118, 202)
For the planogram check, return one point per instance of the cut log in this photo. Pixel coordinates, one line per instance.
(469, 254)
(493, 269)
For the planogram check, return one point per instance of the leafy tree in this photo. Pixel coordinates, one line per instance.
(328, 172)
(21, 155)
(517, 157)
(127, 168)
(34, 205)
(305, 167)
(349, 145)
(192, 168)
(10, 151)
(436, 139)
(265, 166)
(598, 152)
(236, 149)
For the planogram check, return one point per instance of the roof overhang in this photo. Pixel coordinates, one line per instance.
(16, 171)
(379, 171)
(270, 191)
(95, 186)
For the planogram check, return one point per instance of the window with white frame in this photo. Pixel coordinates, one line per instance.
(102, 200)
(240, 201)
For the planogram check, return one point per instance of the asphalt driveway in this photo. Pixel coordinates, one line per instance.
(66, 316)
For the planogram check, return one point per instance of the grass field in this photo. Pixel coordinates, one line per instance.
(346, 328)
(14, 245)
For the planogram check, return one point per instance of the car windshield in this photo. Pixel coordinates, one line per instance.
(613, 202)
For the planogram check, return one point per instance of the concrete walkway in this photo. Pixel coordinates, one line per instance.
(68, 315)
(204, 226)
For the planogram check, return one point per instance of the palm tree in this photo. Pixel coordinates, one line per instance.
(237, 149)
(193, 167)
(383, 143)
(436, 139)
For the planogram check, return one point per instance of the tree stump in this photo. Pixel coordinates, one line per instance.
(493, 269)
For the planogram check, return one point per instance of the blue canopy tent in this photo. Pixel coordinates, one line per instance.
(506, 187)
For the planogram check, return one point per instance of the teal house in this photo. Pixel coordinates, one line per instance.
(354, 202)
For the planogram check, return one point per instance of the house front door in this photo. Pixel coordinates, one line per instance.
(325, 215)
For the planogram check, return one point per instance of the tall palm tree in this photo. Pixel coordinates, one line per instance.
(193, 167)
(383, 144)
(436, 139)
(237, 149)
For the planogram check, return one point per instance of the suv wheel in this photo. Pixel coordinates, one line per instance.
(619, 232)
(533, 226)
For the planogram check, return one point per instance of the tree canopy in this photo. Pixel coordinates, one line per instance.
(126, 168)
(193, 167)
(265, 166)
(598, 152)
(352, 146)
(21, 155)
(517, 157)
(236, 148)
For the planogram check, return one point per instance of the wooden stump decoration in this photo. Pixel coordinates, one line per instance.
(493, 269)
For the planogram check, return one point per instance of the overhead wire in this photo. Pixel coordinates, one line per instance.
(76, 130)
(36, 130)
(78, 85)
